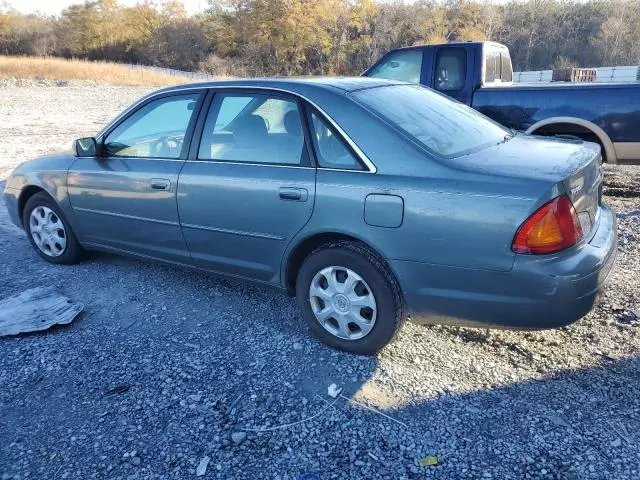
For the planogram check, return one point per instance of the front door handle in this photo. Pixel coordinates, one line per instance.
(160, 184)
(293, 194)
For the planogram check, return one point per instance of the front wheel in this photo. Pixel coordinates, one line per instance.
(349, 298)
(49, 232)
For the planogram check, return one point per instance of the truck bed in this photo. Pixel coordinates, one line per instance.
(612, 107)
(570, 85)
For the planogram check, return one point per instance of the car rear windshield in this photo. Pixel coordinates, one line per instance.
(444, 127)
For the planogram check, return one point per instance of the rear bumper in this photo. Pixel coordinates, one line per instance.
(11, 201)
(541, 291)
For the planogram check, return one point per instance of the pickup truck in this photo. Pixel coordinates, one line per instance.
(480, 75)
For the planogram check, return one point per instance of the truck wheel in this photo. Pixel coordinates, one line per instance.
(49, 231)
(349, 298)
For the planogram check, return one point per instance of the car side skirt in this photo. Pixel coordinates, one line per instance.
(108, 249)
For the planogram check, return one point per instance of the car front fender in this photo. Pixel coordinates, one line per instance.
(48, 174)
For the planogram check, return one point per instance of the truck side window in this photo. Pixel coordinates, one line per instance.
(403, 65)
(451, 69)
(497, 67)
(492, 68)
(506, 72)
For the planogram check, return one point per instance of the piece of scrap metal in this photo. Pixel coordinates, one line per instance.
(36, 309)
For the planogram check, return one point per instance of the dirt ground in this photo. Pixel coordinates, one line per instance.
(168, 369)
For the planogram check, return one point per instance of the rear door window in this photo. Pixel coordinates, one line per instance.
(253, 128)
(451, 69)
(403, 65)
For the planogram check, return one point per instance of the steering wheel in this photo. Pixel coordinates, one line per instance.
(165, 146)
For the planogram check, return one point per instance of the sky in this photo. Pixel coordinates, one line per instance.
(54, 7)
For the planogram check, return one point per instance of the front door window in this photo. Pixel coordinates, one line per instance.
(156, 130)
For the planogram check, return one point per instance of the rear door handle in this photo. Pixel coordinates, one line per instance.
(160, 184)
(293, 194)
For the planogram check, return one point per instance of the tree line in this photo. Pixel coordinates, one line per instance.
(302, 37)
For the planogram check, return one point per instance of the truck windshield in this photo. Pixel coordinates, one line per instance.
(444, 127)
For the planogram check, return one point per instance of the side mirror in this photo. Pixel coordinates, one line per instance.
(86, 147)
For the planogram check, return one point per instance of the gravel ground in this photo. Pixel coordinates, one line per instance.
(168, 368)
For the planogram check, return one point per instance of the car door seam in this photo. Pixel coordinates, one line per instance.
(294, 238)
(180, 226)
(123, 215)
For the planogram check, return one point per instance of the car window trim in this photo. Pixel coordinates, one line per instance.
(194, 146)
(188, 135)
(135, 106)
(279, 94)
(252, 164)
(371, 168)
(309, 110)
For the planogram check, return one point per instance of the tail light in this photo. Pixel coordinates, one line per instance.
(551, 228)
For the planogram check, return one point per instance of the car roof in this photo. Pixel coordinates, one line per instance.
(448, 44)
(293, 84)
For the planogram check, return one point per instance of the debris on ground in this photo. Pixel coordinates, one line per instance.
(429, 461)
(36, 309)
(201, 469)
(117, 390)
(238, 437)
(333, 391)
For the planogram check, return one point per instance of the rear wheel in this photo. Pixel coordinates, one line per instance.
(349, 298)
(49, 232)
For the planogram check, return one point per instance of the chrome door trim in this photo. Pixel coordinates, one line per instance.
(252, 164)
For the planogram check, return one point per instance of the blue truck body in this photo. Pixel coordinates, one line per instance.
(479, 74)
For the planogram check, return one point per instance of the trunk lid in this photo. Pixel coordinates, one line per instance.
(573, 164)
(584, 188)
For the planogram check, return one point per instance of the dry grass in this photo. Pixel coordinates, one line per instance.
(50, 68)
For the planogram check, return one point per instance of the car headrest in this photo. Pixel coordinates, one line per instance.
(250, 128)
(292, 123)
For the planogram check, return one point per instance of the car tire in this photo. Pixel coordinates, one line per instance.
(350, 262)
(49, 231)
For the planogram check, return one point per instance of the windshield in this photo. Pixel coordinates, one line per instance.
(445, 127)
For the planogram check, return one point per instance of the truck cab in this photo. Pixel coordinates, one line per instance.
(480, 75)
(455, 69)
